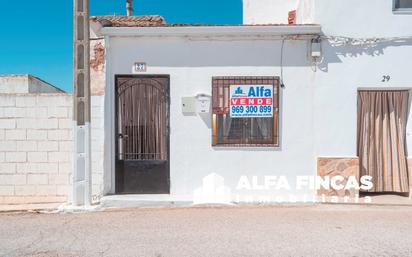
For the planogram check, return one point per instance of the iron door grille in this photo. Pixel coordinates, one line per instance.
(142, 110)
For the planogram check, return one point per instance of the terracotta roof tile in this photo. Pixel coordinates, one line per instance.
(159, 21)
(130, 21)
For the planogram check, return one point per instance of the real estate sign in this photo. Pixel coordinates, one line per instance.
(251, 101)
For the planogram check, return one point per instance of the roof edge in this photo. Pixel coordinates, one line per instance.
(245, 30)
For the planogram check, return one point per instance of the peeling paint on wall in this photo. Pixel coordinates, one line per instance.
(97, 62)
(97, 67)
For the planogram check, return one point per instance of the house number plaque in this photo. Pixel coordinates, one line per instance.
(140, 67)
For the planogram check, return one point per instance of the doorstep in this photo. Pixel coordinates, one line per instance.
(168, 201)
(144, 201)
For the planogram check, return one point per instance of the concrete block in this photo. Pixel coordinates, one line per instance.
(37, 179)
(63, 190)
(46, 190)
(37, 112)
(25, 167)
(36, 134)
(2, 156)
(59, 179)
(26, 146)
(15, 134)
(65, 167)
(47, 167)
(16, 157)
(57, 112)
(65, 124)
(37, 157)
(6, 146)
(14, 179)
(2, 134)
(6, 190)
(5, 200)
(37, 123)
(7, 100)
(7, 123)
(66, 146)
(59, 156)
(26, 123)
(25, 190)
(48, 146)
(14, 112)
(7, 168)
(25, 101)
(49, 123)
(58, 135)
(53, 100)
(37, 168)
(32, 199)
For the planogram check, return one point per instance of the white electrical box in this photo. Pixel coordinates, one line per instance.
(188, 105)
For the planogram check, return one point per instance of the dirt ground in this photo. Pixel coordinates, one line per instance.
(325, 230)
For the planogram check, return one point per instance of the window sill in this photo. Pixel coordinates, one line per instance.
(245, 147)
(402, 11)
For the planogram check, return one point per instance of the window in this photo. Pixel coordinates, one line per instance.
(402, 5)
(259, 124)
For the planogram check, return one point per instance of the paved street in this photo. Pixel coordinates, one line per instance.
(240, 231)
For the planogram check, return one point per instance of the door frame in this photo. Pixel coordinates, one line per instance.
(111, 128)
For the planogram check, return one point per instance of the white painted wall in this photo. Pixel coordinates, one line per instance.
(191, 65)
(267, 11)
(319, 104)
(345, 69)
(354, 18)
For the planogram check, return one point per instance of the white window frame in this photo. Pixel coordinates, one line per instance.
(400, 10)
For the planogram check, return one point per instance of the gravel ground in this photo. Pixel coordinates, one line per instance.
(326, 230)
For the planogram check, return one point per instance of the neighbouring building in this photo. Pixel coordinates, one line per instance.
(302, 88)
(25, 84)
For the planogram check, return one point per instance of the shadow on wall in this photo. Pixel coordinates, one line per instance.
(333, 52)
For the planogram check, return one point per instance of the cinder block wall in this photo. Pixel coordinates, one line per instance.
(36, 143)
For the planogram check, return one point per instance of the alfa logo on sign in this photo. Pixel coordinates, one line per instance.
(251, 101)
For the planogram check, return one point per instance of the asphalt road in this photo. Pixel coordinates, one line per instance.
(240, 231)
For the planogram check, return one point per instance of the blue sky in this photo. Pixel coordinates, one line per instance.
(36, 36)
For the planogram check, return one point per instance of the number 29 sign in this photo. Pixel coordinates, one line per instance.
(251, 101)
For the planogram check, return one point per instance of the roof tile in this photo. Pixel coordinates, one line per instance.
(130, 21)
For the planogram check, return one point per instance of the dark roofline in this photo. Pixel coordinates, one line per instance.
(129, 21)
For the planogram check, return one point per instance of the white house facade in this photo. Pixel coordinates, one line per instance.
(236, 114)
